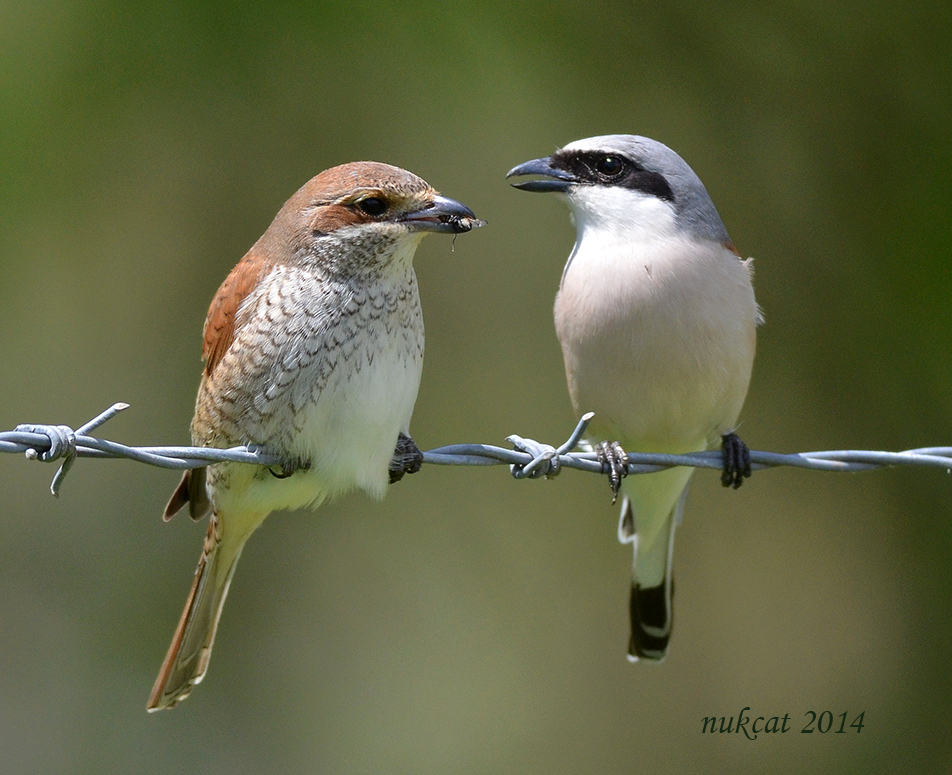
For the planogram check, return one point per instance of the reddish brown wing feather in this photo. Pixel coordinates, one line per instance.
(220, 322)
(219, 334)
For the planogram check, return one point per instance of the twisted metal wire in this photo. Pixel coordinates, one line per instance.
(527, 459)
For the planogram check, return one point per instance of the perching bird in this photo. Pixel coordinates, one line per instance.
(656, 317)
(313, 351)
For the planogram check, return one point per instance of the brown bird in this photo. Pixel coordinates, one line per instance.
(313, 351)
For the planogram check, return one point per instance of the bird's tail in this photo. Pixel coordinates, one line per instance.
(650, 513)
(187, 658)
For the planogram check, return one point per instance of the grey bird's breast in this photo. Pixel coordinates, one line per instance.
(658, 340)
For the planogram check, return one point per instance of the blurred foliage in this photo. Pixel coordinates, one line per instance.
(471, 623)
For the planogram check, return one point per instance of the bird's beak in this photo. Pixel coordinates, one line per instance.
(442, 214)
(554, 179)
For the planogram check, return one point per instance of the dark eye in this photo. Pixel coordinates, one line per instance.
(372, 205)
(610, 166)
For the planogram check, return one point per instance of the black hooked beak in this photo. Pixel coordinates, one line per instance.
(554, 179)
(443, 214)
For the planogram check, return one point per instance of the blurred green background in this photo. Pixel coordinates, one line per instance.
(472, 623)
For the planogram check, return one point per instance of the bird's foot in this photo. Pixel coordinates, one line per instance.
(614, 462)
(288, 468)
(407, 458)
(736, 461)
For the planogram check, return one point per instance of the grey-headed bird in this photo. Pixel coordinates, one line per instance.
(313, 351)
(656, 317)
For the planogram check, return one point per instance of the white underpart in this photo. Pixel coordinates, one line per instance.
(657, 331)
(347, 429)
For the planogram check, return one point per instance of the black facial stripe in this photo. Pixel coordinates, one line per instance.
(583, 165)
(651, 183)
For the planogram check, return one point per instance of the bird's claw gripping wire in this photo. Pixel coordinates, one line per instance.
(736, 461)
(546, 460)
(614, 462)
(407, 458)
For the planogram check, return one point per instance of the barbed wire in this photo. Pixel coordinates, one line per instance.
(528, 459)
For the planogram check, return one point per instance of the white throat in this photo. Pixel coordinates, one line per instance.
(609, 219)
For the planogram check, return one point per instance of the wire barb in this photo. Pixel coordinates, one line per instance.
(60, 443)
(528, 460)
(546, 461)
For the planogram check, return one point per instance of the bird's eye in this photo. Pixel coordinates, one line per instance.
(610, 166)
(372, 205)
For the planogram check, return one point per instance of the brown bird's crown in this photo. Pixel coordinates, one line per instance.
(356, 193)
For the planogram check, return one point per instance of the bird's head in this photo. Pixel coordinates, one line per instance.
(626, 183)
(363, 212)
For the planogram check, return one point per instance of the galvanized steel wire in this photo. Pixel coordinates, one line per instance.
(526, 459)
